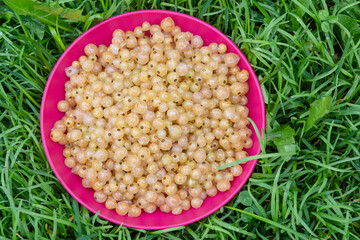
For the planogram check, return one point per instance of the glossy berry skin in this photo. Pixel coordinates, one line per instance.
(149, 118)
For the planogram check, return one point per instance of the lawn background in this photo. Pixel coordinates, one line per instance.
(307, 58)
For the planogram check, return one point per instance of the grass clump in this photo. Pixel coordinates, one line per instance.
(306, 56)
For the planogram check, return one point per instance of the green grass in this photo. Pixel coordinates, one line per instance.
(307, 58)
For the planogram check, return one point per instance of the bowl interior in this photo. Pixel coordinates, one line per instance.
(54, 92)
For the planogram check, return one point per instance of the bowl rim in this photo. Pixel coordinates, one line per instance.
(261, 105)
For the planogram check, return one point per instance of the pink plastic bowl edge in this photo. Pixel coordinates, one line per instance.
(49, 114)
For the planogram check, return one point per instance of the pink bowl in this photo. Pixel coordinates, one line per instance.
(54, 92)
